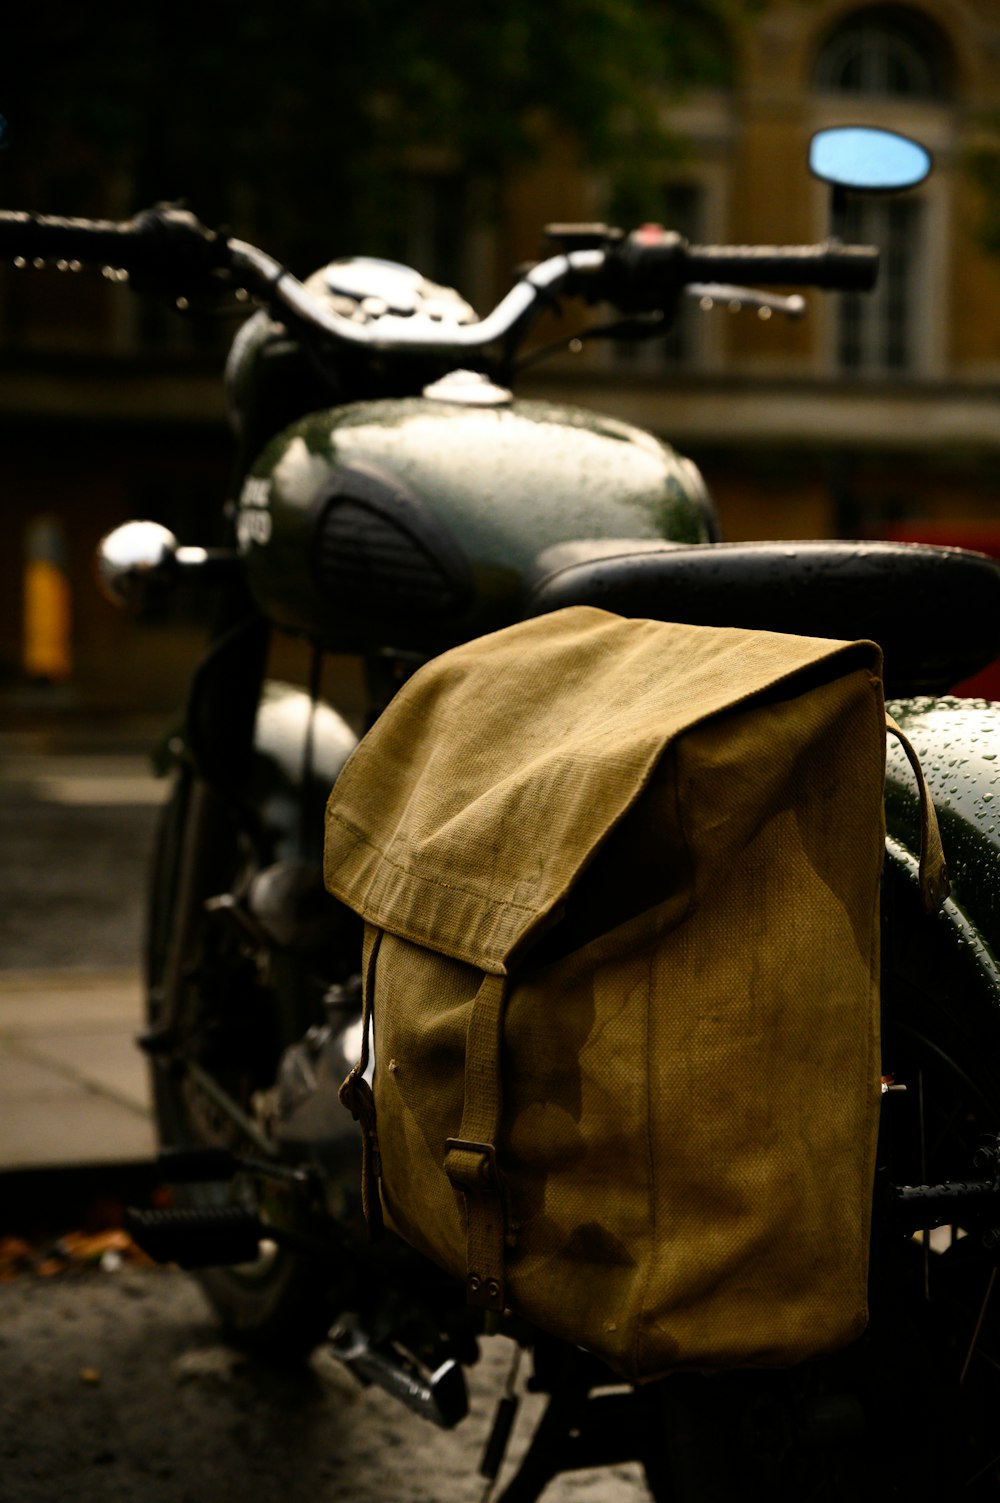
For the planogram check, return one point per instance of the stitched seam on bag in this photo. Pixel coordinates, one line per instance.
(421, 876)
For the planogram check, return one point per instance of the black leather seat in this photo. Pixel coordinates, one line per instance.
(934, 611)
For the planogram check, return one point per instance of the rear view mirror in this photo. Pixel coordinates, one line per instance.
(867, 160)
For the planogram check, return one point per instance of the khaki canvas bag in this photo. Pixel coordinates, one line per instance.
(620, 885)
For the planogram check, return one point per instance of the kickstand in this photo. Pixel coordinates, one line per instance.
(545, 1456)
(580, 1430)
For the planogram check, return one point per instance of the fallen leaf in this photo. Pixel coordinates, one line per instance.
(216, 1362)
(90, 1247)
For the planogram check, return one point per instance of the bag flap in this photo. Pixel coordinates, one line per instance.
(491, 780)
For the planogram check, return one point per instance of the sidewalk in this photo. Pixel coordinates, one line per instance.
(74, 1087)
(77, 822)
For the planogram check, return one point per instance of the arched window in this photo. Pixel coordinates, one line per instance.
(885, 52)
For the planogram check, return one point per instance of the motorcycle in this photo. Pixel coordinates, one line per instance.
(393, 499)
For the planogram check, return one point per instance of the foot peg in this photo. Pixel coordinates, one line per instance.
(197, 1238)
(440, 1397)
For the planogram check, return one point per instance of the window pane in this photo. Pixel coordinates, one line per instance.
(876, 331)
(682, 208)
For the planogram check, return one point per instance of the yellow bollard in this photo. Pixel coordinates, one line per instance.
(47, 603)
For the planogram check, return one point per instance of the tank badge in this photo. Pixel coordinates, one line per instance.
(253, 521)
(469, 389)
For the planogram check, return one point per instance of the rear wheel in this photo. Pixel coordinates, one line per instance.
(225, 1020)
(933, 1390)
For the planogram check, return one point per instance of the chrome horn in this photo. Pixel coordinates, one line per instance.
(140, 558)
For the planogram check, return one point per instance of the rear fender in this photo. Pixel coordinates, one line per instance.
(954, 951)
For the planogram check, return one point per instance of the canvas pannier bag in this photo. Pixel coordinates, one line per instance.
(620, 888)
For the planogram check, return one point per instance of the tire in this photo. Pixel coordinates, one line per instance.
(913, 1409)
(932, 1371)
(279, 1305)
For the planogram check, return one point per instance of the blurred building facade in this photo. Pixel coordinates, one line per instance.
(873, 417)
(873, 413)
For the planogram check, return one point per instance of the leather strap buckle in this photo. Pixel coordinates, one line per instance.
(472, 1166)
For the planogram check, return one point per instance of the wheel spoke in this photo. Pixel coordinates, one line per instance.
(993, 1462)
(979, 1325)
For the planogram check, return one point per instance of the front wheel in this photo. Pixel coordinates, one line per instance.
(204, 985)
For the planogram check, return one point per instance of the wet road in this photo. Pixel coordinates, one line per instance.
(75, 840)
(116, 1386)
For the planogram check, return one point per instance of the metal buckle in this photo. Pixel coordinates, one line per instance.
(485, 1178)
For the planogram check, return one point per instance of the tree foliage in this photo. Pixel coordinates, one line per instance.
(310, 111)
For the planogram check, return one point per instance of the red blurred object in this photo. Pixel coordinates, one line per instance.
(980, 537)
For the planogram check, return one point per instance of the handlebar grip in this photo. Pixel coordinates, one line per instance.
(846, 268)
(653, 266)
(47, 237)
(166, 246)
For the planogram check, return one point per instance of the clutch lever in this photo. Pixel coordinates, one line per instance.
(735, 299)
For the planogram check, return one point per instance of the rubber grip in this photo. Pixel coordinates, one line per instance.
(95, 242)
(846, 268)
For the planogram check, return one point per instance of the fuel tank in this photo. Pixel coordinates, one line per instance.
(415, 523)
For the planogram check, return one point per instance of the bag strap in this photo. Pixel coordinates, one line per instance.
(933, 873)
(356, 1095)
(471, 1160)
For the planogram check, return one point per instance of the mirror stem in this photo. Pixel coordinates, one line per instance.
(838, 212)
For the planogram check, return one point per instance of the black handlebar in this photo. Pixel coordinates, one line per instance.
(45, 237)
(654, 264)
(167, 249)
(164, 247)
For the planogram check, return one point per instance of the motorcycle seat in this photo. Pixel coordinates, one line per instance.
(934, 611)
